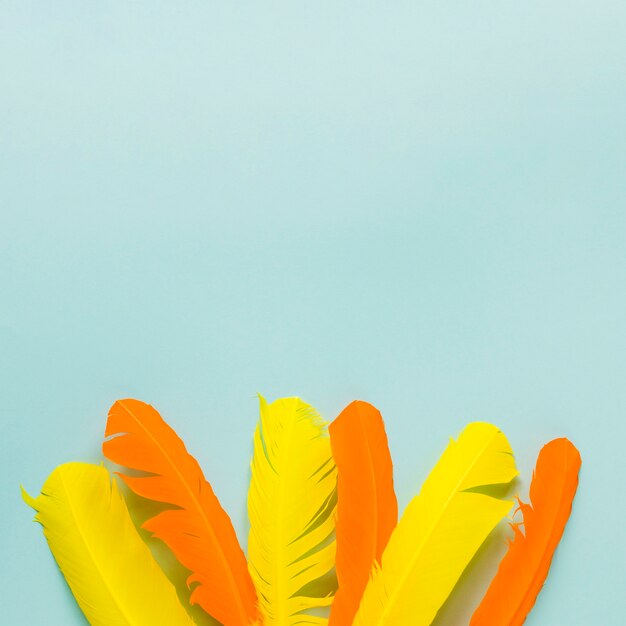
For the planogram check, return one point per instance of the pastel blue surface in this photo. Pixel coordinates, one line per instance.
(420, 204)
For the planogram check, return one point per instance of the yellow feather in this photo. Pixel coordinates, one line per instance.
(110, 570)
(440, 531)
(291, 505)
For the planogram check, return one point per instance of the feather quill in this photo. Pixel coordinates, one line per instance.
(367, 509)
(524, 568)
(440, 531)
(291, 505)
(109, 569)
(199, 531)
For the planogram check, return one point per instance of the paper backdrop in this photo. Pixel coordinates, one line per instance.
(420, 205)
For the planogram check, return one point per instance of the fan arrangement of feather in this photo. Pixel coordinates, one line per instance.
(320, 499)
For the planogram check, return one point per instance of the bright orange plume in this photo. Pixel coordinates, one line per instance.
(524, 568)
(198, 531)
(367, 510)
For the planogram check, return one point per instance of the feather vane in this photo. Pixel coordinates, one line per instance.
(524, 568)
(367, 509)
(199, 531)
(440, 531)
(110, 570)
(291, 505)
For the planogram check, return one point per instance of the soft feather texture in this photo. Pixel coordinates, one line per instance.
(198, 531)
(524, 569)
(110, 570)
(440, 531)
(291, 505)
(367, 509)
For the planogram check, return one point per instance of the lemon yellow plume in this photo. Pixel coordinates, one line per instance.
(440, 531)
(291, 506)
(110, 570)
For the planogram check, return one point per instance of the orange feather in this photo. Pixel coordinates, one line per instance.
(367, 510)
(198, 531)
(523, 570)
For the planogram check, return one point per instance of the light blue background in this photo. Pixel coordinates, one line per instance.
(421, 204)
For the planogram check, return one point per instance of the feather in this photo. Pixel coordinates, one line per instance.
(440, 531)
(524, 568)
(198, 531)
(109, 569)
(367, 510)
(291, 504)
